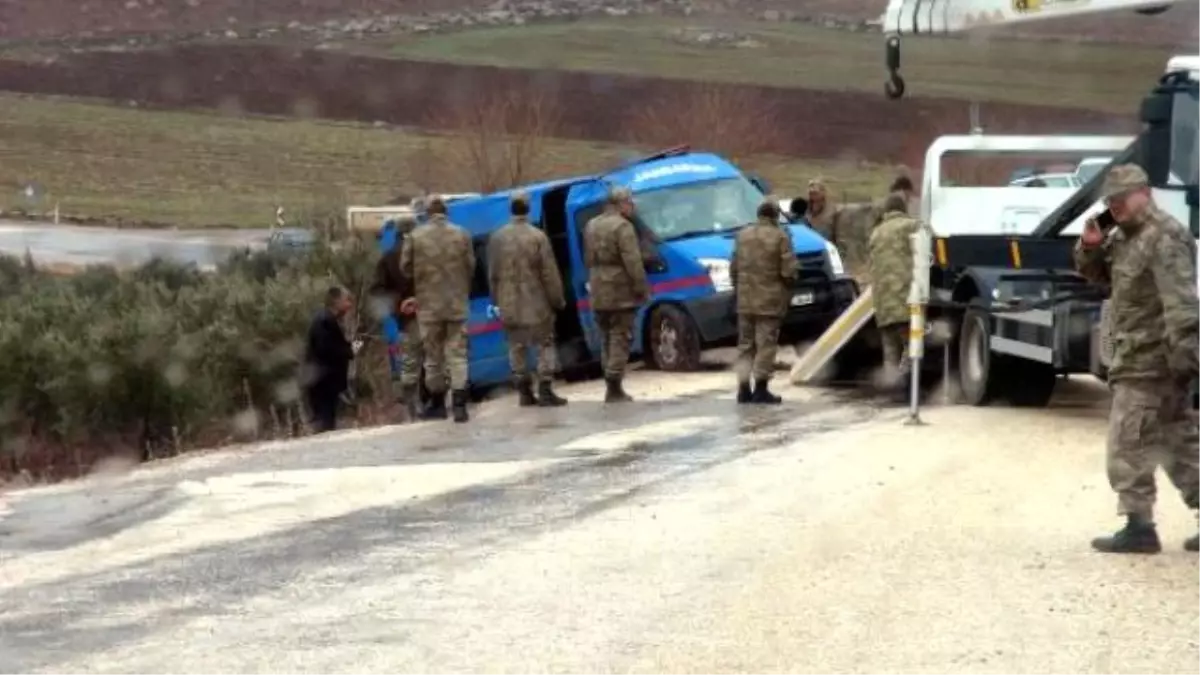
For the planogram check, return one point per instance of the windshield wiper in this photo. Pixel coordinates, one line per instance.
(708, 233)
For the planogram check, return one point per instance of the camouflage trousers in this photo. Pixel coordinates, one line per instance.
(616, 338)
(444, 344)
(521, 339)
(1151, 423)
(894, 339)
(758, 343)
(412, 354)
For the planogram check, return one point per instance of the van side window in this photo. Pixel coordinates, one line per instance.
(479, 282)
(582, 216)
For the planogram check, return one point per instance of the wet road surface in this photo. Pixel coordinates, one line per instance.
(78, 245)
(680, 534)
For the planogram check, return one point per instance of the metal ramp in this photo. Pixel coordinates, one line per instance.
(841, 331)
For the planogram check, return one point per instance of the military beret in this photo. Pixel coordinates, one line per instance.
(1123, 178)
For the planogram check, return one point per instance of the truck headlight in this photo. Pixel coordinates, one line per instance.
(835, 260)
(718, 271)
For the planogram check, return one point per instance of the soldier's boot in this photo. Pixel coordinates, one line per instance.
(546, 396)
(762, 394)
(615, 393)
(745, 395)
(1138, 536)
(459, 401)
(525, 391)
(1192, 543)
(436, 410)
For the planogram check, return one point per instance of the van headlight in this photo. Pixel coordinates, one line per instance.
(835, 260)
(718, 271)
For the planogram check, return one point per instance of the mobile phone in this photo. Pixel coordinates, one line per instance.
(1105, 220)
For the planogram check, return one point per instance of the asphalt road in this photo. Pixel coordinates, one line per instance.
(78, 245)
(681, 534)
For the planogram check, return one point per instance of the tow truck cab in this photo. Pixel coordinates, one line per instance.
(690, 207)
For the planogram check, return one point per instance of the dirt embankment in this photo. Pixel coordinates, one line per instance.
(281, 81)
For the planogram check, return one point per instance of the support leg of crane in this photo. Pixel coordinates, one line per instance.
(914, 396)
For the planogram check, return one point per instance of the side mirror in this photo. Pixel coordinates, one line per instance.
(759, 182)
(651, 259)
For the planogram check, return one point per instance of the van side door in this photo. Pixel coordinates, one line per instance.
(487, 343)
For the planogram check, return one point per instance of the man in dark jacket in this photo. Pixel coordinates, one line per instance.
(327, 358)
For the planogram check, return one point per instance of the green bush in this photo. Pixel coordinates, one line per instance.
(161, 357)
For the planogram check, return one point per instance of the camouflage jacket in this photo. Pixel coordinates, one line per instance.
(851, 234)
(1153, 307)
(613, 256)
(523, 274)
(762, 269)
(822, 221)
(439, 259)
(891, 266)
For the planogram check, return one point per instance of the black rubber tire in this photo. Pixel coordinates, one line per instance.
(1031, 384)
(685, 356)
(979, 385)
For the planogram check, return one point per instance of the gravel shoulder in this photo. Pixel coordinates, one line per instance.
(684, 535)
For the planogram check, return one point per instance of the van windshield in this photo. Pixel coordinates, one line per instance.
(696, 209)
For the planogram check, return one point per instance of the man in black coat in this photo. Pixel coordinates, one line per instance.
(327, 358)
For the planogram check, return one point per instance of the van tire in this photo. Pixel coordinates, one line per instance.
(672, 341)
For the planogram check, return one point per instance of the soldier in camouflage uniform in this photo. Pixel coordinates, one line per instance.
(1148, 259)
(397, 295)
(618, 286)
(439, 259)
(527, 287)
(763, 269)
(821, 211)
(891, 269)
(852, 227)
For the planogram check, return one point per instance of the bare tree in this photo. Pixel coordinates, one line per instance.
(501, 138)
(738, 125)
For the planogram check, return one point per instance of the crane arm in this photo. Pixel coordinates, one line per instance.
(940, 17)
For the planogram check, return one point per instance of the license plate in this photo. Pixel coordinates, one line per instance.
(801, 299)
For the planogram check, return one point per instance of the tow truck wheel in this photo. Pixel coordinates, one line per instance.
(980, 381)
(673, 342)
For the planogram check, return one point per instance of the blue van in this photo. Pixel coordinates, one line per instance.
(689, 209)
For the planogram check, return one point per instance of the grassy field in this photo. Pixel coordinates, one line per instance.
(196, 169)
(1099, 77)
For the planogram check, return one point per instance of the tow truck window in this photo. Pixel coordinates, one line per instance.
(1184, 138)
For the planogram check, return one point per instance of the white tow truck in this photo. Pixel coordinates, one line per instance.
(1002, 276)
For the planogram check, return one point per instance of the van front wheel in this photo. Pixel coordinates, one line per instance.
(672, 341)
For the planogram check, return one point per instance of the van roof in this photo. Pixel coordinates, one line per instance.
(487, 212)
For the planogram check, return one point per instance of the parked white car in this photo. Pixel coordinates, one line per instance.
(1054, 180)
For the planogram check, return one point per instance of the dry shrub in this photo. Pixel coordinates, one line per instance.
(500, 142)
(163, 358)
(741, 126)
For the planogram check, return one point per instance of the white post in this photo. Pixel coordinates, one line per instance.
(918, 297)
